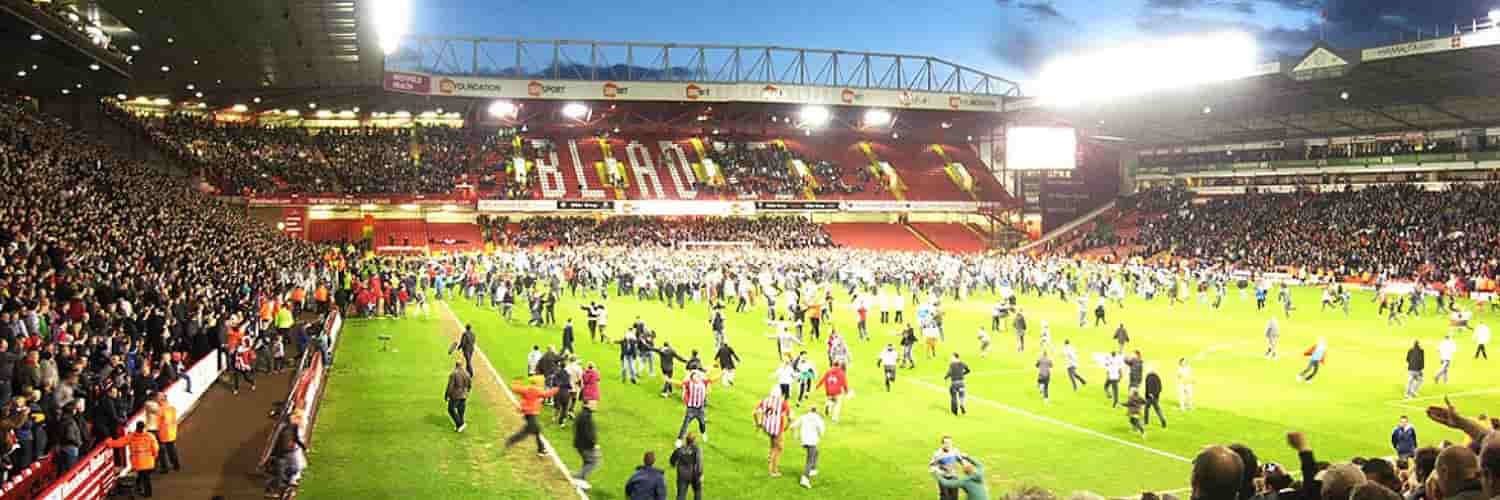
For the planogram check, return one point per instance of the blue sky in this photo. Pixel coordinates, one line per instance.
(1009, 38)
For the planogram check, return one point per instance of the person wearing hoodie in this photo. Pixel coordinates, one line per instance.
(647, 482)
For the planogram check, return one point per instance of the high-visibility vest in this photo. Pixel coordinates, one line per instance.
(167, 425)
(142, 447)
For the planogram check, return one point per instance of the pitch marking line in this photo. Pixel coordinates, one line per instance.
(505, 388)
(1065, 425)
(1403, 403)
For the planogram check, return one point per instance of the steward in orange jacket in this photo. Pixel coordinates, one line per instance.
(142, 449)
(166, 434)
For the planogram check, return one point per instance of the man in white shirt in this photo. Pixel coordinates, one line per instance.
(1184, 385)
(1481, 337)
(1114, 366)
(532, 358)
(1445, 356)
(1071, 355)
(888, 362)
(810, 426)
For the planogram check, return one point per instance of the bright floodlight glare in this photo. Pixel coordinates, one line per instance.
(391, 20)
(240, 108)
(1344, 95)
(1495, 15)
(36, 37)
(575, 110)
(877, 117)
(1151, 66)
(813, 116)
(501, 109)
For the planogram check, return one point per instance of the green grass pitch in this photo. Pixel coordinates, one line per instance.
(384, 433)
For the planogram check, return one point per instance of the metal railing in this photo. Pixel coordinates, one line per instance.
(592, 60)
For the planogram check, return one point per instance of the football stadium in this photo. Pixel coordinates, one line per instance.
(398, 249)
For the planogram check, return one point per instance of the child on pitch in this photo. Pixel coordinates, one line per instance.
(1046, 335)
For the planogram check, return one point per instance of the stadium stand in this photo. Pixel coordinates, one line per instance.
(239, 159)
(951, 237)
(875, 236)
(132, 277)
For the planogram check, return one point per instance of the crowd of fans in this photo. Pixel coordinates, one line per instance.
(112, 278)
(1396, 230)
(765, 232)
(1313, 152)
(763, 171)
(253, 159)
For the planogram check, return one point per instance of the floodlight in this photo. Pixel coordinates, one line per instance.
(575, 111)
(94, 67)
(1495, 16)
(1208, 109)
(391, 19)
(813, 116)
(325, 114)
(877, 117)
(240, 108)
(36, 37)
(66, 91)
(135, 48)
(946, 125)
(1150, 66)
(895, 135)
(191, 86)
(293, 112)
(312, 105)
(716, 131)
(120, 97)
(165, 68)
(281, 226)
(21, 73)
(198, 95)
(1344, 95)
(256, 100)
(346, 114)
(161, 101)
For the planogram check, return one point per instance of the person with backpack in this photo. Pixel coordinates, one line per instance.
(688, 459)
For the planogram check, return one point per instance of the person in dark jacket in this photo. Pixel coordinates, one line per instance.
(1153, 397)
(1404, 439)
(457, 395)
(586, 441)
(466, 344)
(688, 460)
(728, 360)
(70, 435)
(1416, 361)
(567, 336)
(648, 482)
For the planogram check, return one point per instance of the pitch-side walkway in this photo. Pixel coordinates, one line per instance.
(221, 442)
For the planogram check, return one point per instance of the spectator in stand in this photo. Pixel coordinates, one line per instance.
(1217, 474)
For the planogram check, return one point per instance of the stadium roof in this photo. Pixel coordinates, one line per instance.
(232, 51)
(1434, 84)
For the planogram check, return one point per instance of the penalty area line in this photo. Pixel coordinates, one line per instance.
(1065, 425)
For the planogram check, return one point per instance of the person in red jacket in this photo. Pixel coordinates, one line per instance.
(531, 405)
(837, 386)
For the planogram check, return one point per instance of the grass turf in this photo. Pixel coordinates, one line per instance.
(384, 417)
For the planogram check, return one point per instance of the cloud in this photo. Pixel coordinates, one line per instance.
(1043, 10)
(1031, 32)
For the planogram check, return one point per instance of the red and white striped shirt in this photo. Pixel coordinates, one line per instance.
(774, 411)
(695, 393)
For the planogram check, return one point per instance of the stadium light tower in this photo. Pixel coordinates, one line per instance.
(391, 19)
(575, 111)
(813, 116)
(503, 109)
(877, 117)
